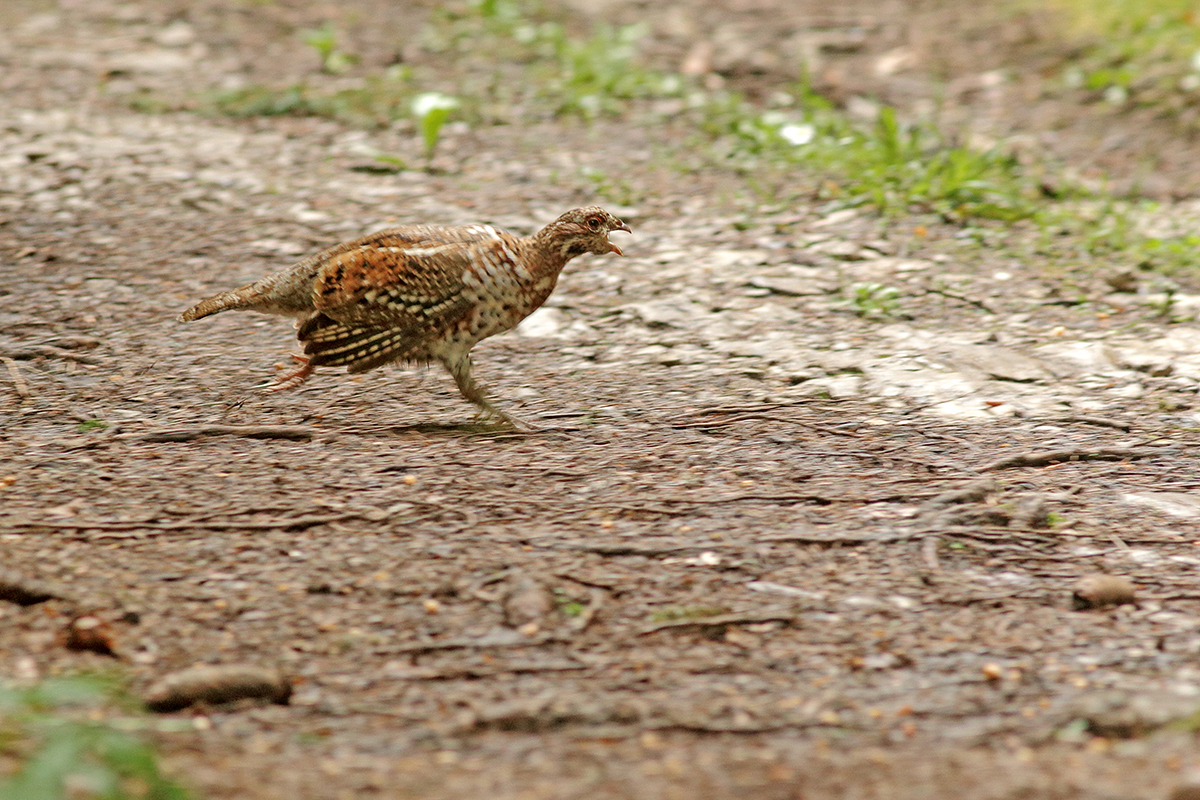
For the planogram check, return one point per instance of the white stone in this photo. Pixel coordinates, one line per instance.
(1177, 504)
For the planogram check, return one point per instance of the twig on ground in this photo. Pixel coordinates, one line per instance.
(30, 352)
(418, 673)
(929, 553)
(621, 549)
(1046, 457)
(724, 620)
(960, 297)
(1103, 422)
(293, 433)
(973, 492)
(17, 378)
(766, 727)
(863, 538)
(502, 639)
(287, 523)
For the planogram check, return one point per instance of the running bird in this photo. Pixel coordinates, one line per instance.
(418, 294)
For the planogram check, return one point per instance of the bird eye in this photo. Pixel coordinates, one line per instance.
(593, 223)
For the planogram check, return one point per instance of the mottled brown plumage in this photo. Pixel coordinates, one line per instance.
(418, 293)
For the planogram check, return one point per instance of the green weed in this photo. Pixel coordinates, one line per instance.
(58, 731)
(874, 299)
(92, 425)
(334, 61)
(572, 609)
(432, 109)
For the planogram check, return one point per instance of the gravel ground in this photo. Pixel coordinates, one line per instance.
(759, 543)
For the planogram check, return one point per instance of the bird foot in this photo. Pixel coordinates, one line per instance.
(497, 417)
(294, 378)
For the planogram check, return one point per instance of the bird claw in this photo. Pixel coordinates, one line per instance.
(499, 418)
(294, 378)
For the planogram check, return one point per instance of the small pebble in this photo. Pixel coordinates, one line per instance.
(526, 602)
(1188, 788)
(1098, 591)
(215, 684)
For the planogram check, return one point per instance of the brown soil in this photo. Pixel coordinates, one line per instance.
(692, 581)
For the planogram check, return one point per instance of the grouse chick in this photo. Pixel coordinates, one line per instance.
(418, 293)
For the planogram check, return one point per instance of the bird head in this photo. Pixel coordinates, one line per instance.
(584, 230)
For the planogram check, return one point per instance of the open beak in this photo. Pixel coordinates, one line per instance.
(621, 227)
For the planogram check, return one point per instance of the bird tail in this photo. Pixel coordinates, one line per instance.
(247, 296)
(331, 343)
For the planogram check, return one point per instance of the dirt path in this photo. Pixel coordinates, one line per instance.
(765, 541)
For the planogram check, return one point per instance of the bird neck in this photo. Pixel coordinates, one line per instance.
(554, 251)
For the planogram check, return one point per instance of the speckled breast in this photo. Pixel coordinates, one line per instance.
(502, 291)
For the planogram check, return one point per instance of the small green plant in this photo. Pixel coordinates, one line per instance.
(92, 425)
(375, 102)
(589, 76)
(613, 189)
(432, 109)
(56, 729)
(324, 40)
(569, 607)
(593, 76)
(874, 299)
(894, 168)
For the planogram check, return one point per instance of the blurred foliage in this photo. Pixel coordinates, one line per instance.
(68, 746)
(373, 102)
(892, 167)
(1144, 52)
(324, 40)
(522, 61)
(432, 110)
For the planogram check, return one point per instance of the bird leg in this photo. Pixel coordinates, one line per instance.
(460, 368)
(296, 376)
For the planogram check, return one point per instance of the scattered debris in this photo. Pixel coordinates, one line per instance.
(973, 492)
(1031, 512)
(526, 602)
(92, 634)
